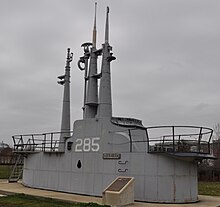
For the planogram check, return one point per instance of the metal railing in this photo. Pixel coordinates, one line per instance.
(187, 139)
(46, 142)
(172, 139)
(158, 139)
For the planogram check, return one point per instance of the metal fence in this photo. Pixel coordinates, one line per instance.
(179, 139)
(169, 139)
(46, 142)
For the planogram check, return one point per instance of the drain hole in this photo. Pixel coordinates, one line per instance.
(79, 164)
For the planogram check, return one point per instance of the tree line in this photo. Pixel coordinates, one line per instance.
(209, 169)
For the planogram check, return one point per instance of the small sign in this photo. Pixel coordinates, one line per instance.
(118, 184)
(111, 156)
(120, 192)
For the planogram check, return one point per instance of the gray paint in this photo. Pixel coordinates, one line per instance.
(158, 178)
(91, 95)
(65, 80)
(105, 99)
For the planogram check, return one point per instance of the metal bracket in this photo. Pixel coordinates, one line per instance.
(122, 163)
(120, 170)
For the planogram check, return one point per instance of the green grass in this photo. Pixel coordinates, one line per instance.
(21, 200)
(4, 171)
(209, 188)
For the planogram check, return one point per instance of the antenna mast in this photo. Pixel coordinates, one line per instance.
(65, 81)
(91, 82)
(107, 26)
(105, 99)
(94, 29)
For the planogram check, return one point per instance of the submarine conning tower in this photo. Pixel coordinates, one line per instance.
(161, 159)
(94, 105)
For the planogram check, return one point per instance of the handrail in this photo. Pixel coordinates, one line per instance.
(178, 126)
(187, 139)
(40, 134)
(47, 142)
(197, 141)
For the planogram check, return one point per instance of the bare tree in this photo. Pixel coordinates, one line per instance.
(217, 131)
(210, 169)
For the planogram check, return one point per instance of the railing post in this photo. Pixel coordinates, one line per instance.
(179, 138)
(148, 141)
(44, 145)
(178, 144)
(129, 133)
(33, 142)
(22, 143)
(209, 150)
(199, 140)
(51, 139)
(13, 138)
(173, 133)
(163, 142)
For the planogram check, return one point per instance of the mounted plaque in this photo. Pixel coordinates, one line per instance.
(120, 192)
(111, 156)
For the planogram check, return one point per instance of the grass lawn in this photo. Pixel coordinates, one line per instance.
(21, 200)
(209, 188)
(4, 171)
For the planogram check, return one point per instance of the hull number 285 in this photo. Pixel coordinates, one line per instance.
(87, 145)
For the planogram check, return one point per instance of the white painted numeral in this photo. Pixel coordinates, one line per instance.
(95, 144)
(87, 145)
(78, 147)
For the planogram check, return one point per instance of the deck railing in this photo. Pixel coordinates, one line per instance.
(179, 139)
(170, 139)
(46, 142)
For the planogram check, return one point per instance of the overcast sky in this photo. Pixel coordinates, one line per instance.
(167, 69)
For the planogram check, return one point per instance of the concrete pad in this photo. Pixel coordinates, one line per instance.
(10, 188)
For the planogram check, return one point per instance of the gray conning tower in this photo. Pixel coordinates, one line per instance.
(94, 105)
(162, 159)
